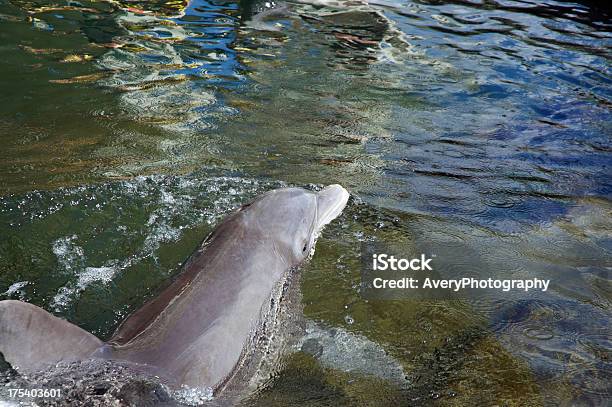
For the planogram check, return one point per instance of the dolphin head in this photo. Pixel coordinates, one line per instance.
(293, 217)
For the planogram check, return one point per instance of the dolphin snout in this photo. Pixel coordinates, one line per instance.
(331, 200)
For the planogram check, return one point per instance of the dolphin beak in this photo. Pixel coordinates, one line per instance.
(331, 201)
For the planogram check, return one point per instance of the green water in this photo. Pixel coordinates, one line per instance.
(479, 132)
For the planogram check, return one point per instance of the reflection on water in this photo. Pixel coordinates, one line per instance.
(479, 129)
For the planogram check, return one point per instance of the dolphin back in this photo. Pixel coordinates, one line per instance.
(31, 338)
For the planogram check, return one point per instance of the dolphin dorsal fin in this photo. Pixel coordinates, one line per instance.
(31, 338)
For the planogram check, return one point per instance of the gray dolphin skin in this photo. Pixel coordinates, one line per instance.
(199, 330)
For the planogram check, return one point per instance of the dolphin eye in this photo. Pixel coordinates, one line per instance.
(304, 248)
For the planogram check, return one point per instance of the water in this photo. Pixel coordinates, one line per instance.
(479, 130)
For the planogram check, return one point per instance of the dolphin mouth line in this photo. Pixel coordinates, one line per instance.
(327, 214)
(331, 214)
(334, 208)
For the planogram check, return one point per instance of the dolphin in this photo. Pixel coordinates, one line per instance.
(200, 330)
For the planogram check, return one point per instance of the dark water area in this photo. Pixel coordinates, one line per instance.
(476, 130)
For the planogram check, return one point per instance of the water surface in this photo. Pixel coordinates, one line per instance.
(477, 130)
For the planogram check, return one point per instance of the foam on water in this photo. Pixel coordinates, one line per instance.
(339, 349)
(68, 254)
(173, 205)
(16, 288)
(193, 396)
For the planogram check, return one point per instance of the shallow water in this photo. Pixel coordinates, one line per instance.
(478, 131)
